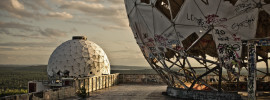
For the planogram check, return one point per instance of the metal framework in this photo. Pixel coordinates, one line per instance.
(188, 72)
(171, 32)
(252, 70)
(185, 75)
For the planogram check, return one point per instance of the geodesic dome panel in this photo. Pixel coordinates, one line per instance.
(170, 31)
(78, 58)
(160, 25)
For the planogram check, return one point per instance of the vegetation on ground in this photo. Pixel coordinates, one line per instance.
(82, 92)
(14, 80)
(12, 92)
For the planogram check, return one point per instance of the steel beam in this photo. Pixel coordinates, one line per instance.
(251, 71)
(200, 77)
(195, 42)
(220, 79)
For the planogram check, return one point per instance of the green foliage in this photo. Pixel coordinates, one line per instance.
(14, 80)
(82, 92)
(12, 92)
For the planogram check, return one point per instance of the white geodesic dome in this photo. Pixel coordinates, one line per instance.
(78, 58)
(170, 32)
(164, 26)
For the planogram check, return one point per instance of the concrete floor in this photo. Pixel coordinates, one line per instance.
(136, 92)
(130, 92)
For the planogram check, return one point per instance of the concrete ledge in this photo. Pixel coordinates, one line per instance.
(202, 95)
(90, 83)
(141, 78)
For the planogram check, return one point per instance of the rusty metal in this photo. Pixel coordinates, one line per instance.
(170, 33)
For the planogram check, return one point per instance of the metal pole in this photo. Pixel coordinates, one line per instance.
(195, 42)
(220, 79)
(170, 9)
(251, 71)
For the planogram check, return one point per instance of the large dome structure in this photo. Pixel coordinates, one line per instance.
(185, 41)
(78, 57)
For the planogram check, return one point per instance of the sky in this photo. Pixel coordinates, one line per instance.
(31, 29)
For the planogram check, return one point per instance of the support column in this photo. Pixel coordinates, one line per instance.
(251, 71)
(220, 79)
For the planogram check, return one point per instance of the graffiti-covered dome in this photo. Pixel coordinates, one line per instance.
(78, 57)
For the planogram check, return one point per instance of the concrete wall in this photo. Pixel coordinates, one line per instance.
(50, 94)
(91, 84)
(140, 78)
(39, 86)
(202, 95)
(97, 82)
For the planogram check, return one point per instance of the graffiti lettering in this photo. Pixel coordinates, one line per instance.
(224, 26)
(150, 40)
(252, 68)
(229, 55)
(214, 19)
(179, 34)
(263, 42)
(198, 21)
(160, 38)
(244, 7)
(227, 48)
(205, 2)
(235, 38)
(169, 35)
(219, 32)
(170, 42)
(246, 23)
(223, 39)
(205, 24)
(177, 48)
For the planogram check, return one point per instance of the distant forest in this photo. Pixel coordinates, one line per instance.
(17, 76)
(14, 79)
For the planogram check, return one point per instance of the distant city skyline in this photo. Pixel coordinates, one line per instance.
(30, 30)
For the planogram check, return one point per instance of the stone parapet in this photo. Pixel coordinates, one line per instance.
(90, 83)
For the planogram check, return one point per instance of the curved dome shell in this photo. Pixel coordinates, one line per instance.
(78, 58)
(217, 28)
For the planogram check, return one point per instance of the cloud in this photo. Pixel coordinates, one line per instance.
(95, 0)
(28, 31)
(110, 1)
(8, 28)
(27, 34)
(37, 4)
(81, 21)
(116, 1)
(24, 59)
(96, 9)
(113, 15)
(15, 8)
(29, 44)
(32, 10)
(112, 27)
(60, 15)
(16, 4)
(7, 32)
(49, 32)
(16, 26)
(11, 48)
